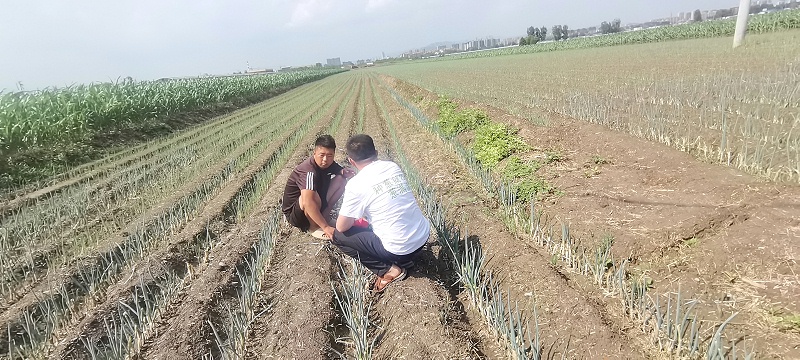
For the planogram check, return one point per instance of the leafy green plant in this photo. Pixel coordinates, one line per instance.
(534, 187)
(453, 122)
(553, 156)
(495, 142)
(598, 160)
(691, 242)
(515, 168)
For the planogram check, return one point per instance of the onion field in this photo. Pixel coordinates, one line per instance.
(630, 202)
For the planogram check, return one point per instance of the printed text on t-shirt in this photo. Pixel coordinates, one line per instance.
(394, 186)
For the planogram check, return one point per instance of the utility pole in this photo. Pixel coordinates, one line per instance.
(741, 23)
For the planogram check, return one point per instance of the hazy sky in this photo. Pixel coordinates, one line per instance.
(56, 42)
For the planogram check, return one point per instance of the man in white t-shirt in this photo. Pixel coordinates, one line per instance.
(380, 194)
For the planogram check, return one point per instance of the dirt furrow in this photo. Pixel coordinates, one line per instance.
(298, 299)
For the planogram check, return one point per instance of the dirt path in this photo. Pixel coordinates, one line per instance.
(566, 312)
(298, 299)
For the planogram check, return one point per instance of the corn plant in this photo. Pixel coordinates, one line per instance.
(58, 115)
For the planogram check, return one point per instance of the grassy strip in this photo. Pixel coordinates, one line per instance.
(674, 326)
(492, 143)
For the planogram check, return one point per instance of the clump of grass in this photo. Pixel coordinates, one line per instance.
(691, 242)
(495, 142)
(524, 182)
(553, 156)
(785, 321)
(598, 160)
(453, 122)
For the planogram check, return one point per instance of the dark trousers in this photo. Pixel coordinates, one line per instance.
(363, 245)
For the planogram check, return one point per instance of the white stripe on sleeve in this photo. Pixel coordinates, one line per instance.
(310, 180)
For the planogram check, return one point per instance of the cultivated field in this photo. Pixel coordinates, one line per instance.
(553, 237)
(740, 108)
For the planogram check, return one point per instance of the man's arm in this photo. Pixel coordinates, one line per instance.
(344, 223)
(312, 209)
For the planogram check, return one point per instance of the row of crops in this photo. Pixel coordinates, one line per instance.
(763, 23)
(55, 115)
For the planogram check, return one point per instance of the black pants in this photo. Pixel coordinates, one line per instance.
(363, 245)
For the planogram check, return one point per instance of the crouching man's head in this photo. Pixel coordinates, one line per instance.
(361, 150)
(324, 150)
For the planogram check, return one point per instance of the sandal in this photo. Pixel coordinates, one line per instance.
(383, 281)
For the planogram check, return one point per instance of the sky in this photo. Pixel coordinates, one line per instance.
(46, 43)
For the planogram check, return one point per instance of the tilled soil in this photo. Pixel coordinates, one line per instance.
(298, 300)
(566, 314)
(717, 234)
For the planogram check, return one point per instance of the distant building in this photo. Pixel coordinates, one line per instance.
(334, 62)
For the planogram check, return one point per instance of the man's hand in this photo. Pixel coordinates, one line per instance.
(329, 231)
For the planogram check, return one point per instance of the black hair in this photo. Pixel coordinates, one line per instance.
(325, 141)
(361, 147)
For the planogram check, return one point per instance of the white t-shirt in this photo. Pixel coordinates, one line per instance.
(381, 194)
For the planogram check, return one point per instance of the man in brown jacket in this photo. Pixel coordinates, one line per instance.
(313, 189)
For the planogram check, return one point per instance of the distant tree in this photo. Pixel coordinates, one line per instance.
(533, 39)
(543, 33)
(556, 32)
(523, 41)
(605, 27)
(612, 27)
(531, 30)
(564, 32)
(616, 26)
(697, 16)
